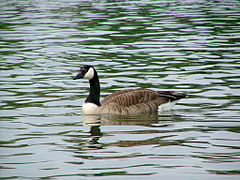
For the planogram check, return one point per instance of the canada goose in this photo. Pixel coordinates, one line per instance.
(130, 101)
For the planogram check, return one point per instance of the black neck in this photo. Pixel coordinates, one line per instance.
(94, 95)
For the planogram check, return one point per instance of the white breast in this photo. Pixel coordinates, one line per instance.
(90, 108)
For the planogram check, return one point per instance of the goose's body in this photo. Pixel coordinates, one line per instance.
(130, 101)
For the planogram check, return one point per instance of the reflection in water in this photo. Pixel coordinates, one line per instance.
(95, 135)
(149, 120)
(141, 120)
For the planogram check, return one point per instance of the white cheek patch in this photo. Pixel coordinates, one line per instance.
(89, 75)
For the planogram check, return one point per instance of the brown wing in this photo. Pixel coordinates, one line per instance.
(134, 96)
(137, 101)
(130, 97)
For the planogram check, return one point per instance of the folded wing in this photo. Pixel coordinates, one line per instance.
(134, 101)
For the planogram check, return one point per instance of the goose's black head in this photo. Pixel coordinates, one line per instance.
(86, 72)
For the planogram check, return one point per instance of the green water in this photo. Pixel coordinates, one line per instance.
(186, 46)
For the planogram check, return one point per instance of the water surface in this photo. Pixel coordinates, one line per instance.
(186, 46)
